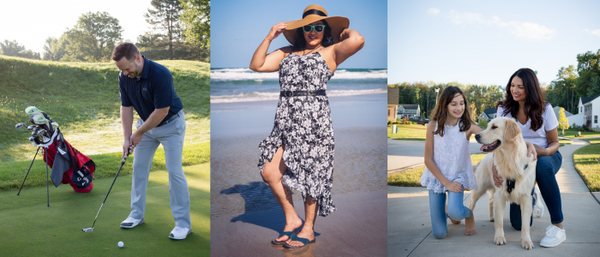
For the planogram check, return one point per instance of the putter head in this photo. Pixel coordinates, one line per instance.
(87, 229)
(19, 125)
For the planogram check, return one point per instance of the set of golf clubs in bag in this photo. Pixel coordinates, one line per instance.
(46, 134)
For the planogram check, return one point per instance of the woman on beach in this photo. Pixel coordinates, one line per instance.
(298, 154)
(524, 101)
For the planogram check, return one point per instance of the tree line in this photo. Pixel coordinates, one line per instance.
(572, 83)
(180, 30)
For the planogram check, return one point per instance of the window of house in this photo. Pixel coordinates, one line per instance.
(595, 119)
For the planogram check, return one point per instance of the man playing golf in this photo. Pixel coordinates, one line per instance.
(148, 88)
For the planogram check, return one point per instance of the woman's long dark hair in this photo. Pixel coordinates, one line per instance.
(300, 42)
(440, 112)
(534, 101)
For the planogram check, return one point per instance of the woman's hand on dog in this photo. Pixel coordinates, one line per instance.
(531, 151)
(455, 187)
(497, 178)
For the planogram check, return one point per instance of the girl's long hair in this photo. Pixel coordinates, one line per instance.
(300, 42)
(534, 101)
(440, 112)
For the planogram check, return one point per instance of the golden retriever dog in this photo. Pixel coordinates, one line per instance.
(503, 137)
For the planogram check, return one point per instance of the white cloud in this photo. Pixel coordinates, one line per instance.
(525, 30)
(532, 31)
(595, 32)
(433, 11)
(458, 18)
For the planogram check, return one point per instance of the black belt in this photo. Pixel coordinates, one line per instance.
(301, 93)
(165, 122)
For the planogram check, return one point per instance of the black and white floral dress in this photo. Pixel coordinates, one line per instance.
(303, 126)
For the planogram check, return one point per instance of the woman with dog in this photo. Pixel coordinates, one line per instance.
(524, 102)
(299, 152)
(448, 162)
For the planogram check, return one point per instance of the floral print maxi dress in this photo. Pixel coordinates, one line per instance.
(303, 127)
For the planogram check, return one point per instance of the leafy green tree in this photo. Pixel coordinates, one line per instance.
(165, 20)
(93, 38)
(563, 122)
(562, 92)
(195, 21)
(55, 49)
(588, 68)
(13, 48)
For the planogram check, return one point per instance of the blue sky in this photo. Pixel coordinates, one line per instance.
(239, 26)
(484, 42)
(31, 22)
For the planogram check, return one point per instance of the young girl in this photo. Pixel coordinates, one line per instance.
(448, 162)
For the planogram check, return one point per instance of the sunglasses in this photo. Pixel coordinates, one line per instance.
(318, 28)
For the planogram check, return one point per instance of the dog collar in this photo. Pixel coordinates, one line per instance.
(510, 185)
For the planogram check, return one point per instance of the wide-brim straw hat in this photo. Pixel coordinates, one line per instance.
(314, 13)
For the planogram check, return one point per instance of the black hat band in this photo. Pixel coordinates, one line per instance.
(313, 11)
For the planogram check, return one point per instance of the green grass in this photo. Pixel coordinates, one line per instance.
(84, 99)
(570, 133)
(408, 132)
(586, 164)
(411, 178)
(29, 228)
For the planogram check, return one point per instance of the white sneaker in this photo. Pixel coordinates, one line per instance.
(538, 208)
(179, 233)
(131, 222)
(554, 236)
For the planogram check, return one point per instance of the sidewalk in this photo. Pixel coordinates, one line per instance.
(409, 224)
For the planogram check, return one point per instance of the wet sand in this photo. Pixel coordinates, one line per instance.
(244, 213)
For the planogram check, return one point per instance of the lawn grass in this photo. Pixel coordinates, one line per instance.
(83, 98)
(29, 228)
(586, 163)
(570, 133)
(411, 178)
(408, 132)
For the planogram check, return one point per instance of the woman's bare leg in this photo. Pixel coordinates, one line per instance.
(272, 174)
(308, 232)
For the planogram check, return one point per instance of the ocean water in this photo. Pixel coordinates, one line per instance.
(233, 85)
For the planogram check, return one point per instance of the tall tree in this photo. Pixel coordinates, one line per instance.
(195, 21)
(13, 48)
(588, 68)
(93, 37)
(55, 49)
(165, 19)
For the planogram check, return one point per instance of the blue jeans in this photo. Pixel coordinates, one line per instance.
(437, 206)
(545, 176)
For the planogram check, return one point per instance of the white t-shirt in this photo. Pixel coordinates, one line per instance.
(537, 137)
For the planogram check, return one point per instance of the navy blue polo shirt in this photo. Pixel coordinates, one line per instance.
(152, 90)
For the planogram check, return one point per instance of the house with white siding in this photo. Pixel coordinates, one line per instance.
(589, 110)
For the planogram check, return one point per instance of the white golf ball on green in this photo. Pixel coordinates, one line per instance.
(121, 244)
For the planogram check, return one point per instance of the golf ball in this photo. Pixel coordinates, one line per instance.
(120, 244)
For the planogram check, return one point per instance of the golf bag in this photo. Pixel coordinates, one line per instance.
(69, 166)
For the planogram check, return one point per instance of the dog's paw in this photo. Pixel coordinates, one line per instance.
(500, 240)
(492, 219)
(527, 245)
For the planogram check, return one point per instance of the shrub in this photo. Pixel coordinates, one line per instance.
(483, 122)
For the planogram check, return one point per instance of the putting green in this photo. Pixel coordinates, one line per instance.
(29, 228)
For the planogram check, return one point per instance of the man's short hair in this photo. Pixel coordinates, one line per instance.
(125, 49)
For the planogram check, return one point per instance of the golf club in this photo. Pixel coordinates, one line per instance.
(90, 229)
(19, 125)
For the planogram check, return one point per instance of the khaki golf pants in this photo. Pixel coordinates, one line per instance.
(171, 136)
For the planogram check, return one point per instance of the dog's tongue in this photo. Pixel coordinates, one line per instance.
(482, 147)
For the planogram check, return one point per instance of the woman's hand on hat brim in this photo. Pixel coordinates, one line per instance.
(277, 30)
